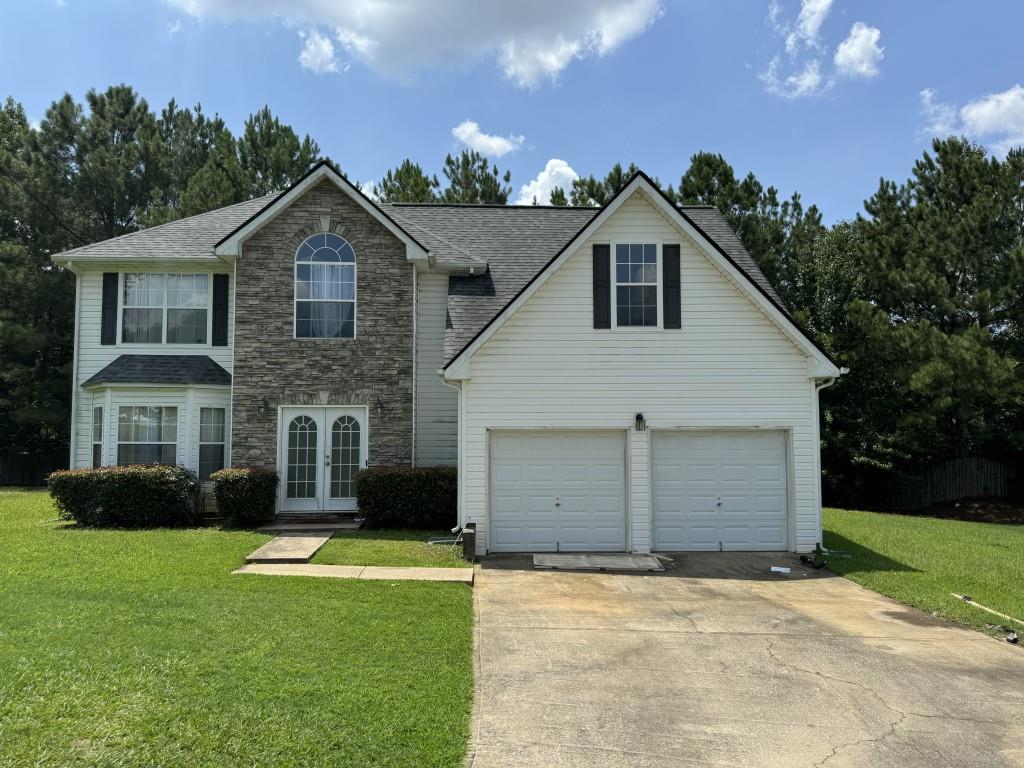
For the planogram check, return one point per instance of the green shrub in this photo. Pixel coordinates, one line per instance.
(405, 497)
(127, 497)
(245, 494)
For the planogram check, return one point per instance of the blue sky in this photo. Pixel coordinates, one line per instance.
(816, 96)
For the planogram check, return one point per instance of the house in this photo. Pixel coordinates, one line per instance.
(620, 378)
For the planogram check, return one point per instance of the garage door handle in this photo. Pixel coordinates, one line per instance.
(557, 502)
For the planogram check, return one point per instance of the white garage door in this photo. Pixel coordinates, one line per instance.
(558, 491)
(720, 490)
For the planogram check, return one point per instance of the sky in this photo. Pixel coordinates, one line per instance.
(823, 97)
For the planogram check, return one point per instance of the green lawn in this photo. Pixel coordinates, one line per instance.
(396, 548)
(132, 648)
(921, 560)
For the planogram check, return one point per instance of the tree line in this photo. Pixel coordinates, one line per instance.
(921, 295)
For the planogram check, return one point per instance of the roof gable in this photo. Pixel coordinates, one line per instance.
(230, 245)
(763, 296)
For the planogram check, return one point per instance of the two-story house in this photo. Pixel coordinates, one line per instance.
(621, 378)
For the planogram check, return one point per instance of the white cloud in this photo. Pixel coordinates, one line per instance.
(808, 23)
(369, 188)
(469, 133)
(996, 119)
(556, 173)
(317, 53)
(799, 74)
(174, 28)
(859, 54)
(802, 83)
(940, 118)
(532, 40)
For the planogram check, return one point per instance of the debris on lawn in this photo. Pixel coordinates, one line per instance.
(1012, 638)
(780, 569)
(971, 601)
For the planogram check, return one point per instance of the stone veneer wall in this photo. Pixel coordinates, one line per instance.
(269, 362)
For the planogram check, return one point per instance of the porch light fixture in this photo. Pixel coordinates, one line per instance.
(641, 424)
(262, 407)
(378, 408)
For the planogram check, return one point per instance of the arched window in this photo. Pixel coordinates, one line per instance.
(325, 288)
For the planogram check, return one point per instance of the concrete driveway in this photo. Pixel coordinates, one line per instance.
(718, 663)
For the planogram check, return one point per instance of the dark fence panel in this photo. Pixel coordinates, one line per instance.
(28, 468)
(971, 476)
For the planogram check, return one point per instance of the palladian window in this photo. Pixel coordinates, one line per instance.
(325, 288)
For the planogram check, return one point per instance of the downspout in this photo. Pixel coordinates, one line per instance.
(819, 385)
(415, 372)
(74, 373)
(458, 446)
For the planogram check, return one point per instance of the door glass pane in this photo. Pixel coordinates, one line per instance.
(345, 437)
(302, 452)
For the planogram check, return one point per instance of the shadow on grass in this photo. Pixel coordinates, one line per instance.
(861, 558)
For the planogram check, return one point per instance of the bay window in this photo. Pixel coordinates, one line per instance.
(147, 434)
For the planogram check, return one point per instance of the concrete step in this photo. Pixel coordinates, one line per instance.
(289, 547)
(311, 526)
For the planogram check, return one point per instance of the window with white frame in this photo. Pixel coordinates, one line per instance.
(160, 308)
(147, 434)
(636, 284)
(211, 441)
(97, 436)
(325, 288)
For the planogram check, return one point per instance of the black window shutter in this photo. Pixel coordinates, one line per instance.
(602, 286)
(670, 285)
(220, 310)
(108, 322)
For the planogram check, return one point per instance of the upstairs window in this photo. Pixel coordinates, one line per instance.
(636, 284)
(325, 288)
(162, 308)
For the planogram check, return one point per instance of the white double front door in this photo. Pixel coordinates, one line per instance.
(321, 449)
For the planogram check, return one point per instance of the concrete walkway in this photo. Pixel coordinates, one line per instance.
(463, 575)
(719, 663)
(289, 548)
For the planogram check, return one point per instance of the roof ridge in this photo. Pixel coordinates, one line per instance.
(506, 206)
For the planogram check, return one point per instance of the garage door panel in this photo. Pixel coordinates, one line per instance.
(556, 490)
(720, 490)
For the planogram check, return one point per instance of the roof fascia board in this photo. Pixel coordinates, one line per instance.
(457, 368)
(231, 245)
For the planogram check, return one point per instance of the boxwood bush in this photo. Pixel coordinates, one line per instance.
(127, 497)
(245, 494)
(405, 497)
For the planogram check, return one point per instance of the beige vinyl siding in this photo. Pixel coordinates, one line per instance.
(729, 366)
(93, 356)
(436, 402)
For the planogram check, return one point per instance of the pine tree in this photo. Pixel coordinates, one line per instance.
(558, 197)
(271, 154)
(472, 179)
(408, 184)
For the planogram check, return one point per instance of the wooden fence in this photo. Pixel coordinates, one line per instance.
(29, 468)
(972, 476)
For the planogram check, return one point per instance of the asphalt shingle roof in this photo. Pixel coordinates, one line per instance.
(192, 237)
(509, 245)
(161, 369)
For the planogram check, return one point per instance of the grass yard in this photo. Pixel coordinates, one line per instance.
(921, 560)
(128, 648)
(394, 548)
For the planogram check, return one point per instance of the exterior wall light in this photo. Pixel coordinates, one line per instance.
(641, 424)
(262, 407)
(378, 408)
